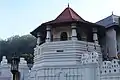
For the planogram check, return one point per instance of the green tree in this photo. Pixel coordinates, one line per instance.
(20, 45)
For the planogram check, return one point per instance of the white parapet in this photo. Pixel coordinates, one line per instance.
(110, 70)
(5, 73)
(24, 70)
(62, 52)
(4, 61)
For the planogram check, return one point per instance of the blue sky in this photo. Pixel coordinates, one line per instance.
(20, 17)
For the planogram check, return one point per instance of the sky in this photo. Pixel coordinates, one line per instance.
(20, 17)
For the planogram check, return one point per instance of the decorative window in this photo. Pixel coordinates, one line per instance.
(92, 60)
(92, 53)
(114, 61)
(114, 70)
(63, 36)
(105, 71)
(109, 70)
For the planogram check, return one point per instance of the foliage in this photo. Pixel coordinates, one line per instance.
(23, 46)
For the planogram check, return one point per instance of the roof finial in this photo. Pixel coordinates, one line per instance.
(68, 5)
(112, 12)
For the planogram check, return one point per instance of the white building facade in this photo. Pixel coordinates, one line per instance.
(70, 48)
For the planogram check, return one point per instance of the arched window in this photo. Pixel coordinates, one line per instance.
(63, 36)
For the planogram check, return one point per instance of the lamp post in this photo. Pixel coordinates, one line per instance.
(14, 67)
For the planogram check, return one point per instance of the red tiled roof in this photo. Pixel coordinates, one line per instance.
(67, 15)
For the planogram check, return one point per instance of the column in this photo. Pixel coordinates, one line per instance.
(48, 36)
(95, 36)
(38, 38)
(111, 43)
(74, 33)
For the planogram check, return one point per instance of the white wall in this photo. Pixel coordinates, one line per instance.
(110, 70)
(58, 30)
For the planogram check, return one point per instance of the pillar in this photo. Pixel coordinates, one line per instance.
(111, 43)
(38, 38)
(48, 36)
(95, 36)
(74, 32)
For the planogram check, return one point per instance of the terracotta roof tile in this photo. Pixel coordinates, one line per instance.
(67, 15)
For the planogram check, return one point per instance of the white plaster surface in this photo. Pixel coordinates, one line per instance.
(58, 30)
